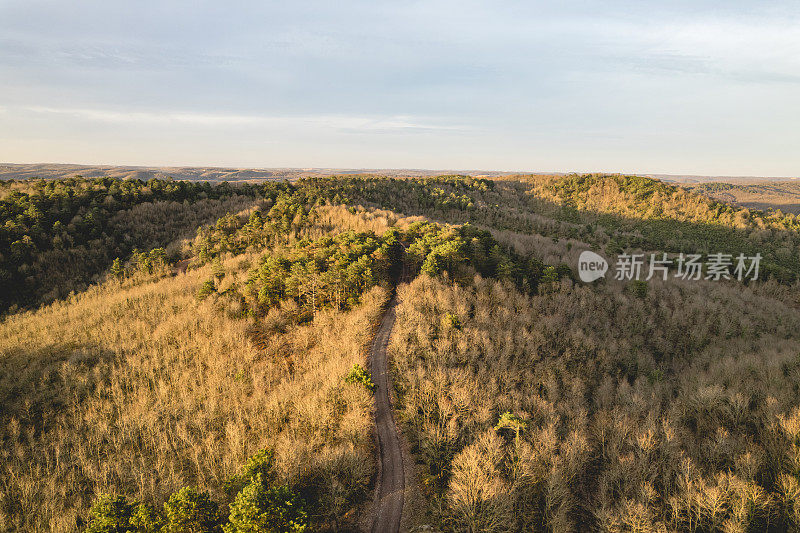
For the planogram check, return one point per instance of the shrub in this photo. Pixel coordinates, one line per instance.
(191, 511)
(359, 374)
(262, 463)
(451, 320)
(259, 508)
(110, 514)
(206, 289)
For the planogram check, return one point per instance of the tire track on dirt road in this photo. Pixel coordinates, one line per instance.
(388, 507)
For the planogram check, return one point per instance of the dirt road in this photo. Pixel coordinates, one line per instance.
(388, 506)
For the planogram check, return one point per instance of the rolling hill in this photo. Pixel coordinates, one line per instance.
(181, 356)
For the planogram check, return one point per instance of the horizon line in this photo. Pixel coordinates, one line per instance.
(401, 169)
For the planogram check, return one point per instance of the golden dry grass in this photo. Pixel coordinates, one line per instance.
(673, 412)
(141, 390)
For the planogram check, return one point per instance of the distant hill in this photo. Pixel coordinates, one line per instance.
(744, 180)
(783, 195)
(50, 171)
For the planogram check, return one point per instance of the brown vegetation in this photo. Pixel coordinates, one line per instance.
(531, 402)
(672, 412)
(141, 390)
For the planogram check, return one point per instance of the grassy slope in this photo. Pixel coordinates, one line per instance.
(664, 411)
(141, 390)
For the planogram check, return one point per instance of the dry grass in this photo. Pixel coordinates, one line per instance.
(361, 219)
(141, 390)
(677, 410)
(674, 412)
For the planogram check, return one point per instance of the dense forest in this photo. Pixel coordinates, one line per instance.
(183, 356)
(58, 235)
(614, 213)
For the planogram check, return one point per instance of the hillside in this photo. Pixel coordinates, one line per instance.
(9, 171)
(143, 390)
(779, 195)
(208, 370)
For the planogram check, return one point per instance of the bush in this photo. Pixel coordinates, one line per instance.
(262, 463)
(451, 320)
(206, 289)
(113, 514)
(191, 510)
(259, 508)
(359, 374)
(110, 514)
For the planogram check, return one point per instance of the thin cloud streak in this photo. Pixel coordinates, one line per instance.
(335, 122)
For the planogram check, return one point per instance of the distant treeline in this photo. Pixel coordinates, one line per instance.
(59, 235)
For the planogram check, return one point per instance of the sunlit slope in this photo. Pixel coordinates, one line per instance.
(612, 212)
(154, 380)
(597, 408)
(141, 390)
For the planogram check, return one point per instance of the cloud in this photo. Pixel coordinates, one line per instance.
(342, 123)
(756, 51)
(519, 83)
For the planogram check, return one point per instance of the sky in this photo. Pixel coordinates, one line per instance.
(676, 87)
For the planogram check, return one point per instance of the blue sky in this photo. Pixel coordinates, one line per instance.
(662, 87)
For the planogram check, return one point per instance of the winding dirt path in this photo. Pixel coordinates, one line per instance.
(388, 506)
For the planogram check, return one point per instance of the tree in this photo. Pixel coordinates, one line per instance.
(117, 270)
(110, 514)
(206, 289)
(191, 511)
(259, 508)
(263, 463)
(146, 519)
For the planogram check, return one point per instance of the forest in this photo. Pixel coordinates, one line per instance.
(57, 236)
(189, 356)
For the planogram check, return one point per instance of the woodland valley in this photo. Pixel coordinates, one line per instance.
(195, 356)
